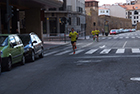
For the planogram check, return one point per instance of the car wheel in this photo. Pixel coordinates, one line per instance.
(32, 56)
(42, 54)
(23, 60)
(9, 64)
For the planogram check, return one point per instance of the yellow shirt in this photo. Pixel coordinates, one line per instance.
(73, 35)
(93, 32)
(97, 31)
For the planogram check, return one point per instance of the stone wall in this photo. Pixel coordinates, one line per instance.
(94, 21)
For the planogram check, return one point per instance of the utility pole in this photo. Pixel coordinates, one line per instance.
(8, 23)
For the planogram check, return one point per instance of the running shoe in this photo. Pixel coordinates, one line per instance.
(73, 52)
(75, 47)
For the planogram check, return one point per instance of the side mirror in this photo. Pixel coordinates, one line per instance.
(13, 44)
(34, 42)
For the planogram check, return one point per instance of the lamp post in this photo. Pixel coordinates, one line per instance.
(8, 24)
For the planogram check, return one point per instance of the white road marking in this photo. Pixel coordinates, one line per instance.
(87, 45)
(102, 46)
(120, 51)
(135, 50)
(135, 79)
(115, 37)
(132, 37)
(77, 52)
(126, 37)
(124, 44)
(105, 51)
(108, 56)
(91, 51)
(110, 38)
(120, 37)
(61, 53)
(50, 53)
(103, 38)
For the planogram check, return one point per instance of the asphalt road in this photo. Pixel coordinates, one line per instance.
(105, 67)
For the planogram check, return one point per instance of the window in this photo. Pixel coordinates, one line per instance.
(78, 21)
(107, 11)
(18, 41)
(3, 41)
(134, 17)
(137, 17)
(135, 12)
(134, 21)
(69, 20)
(12, 40)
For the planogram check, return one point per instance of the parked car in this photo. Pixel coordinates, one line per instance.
(12, 50)
(125, 30)
(121, 30)
(33, 46)
(114, 31)
(133, 30)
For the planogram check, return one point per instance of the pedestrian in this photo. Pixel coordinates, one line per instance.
(93, 34)
(73, 35)
(103, 32)
(97, 34)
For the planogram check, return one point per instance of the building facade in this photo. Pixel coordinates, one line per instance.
(24, 17)
(104, 11)
(133, 13)
(117, 11)
(59, 21)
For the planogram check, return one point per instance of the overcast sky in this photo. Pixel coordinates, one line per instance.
(101, 2)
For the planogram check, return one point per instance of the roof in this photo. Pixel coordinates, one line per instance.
(103, 8)
(91, 1)
(131, 7)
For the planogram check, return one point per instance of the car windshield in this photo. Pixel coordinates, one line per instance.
(25, 39)
(113, 30)
(3, 40)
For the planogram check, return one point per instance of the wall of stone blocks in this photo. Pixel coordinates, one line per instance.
(113, 22)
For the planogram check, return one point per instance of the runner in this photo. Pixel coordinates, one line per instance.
(97, 33)
(93, 34)
(73, 35)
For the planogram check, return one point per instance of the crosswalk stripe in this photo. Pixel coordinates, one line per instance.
(105, 51)
(50, 53)
(61, 53)
(135, 50)
(120, 51)
(77, 52)
(87, 45)
(91, 51)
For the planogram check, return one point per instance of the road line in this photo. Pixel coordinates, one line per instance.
(77, 52)
(135, 79)
(124, 44)
(61, 53)
(105, 51)
(87, 45)
(116, 56)
(135, 50)
(120, 51)
(50, 53)
(91, 51)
